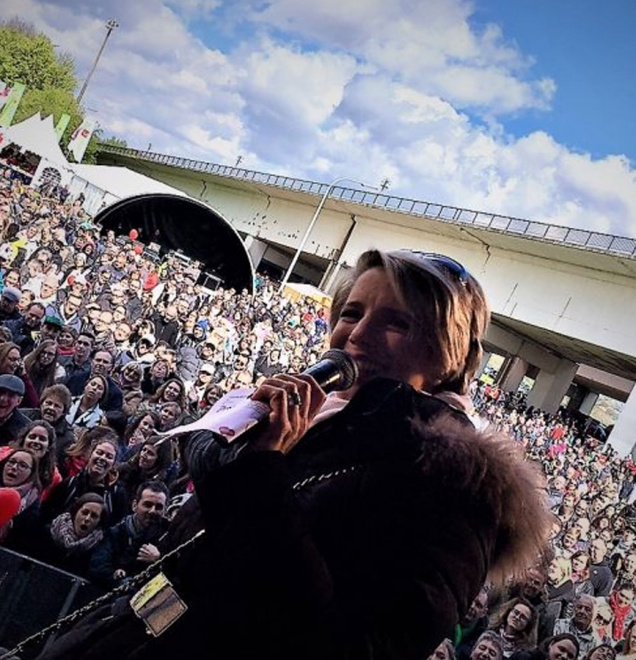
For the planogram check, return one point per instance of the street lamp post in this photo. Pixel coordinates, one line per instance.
(312, 222)
(111, 24)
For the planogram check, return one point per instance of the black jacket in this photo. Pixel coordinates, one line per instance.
(78, 380)
(370, 539)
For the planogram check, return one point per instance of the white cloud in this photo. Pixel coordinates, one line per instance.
(408, 90)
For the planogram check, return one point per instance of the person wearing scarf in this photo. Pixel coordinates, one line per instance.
(621, 601)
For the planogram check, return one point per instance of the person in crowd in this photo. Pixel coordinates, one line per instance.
(445, 651)
(19, 471)
(42, 365)
(516, 624)
(628, 645)
(603, 622)
(559, 587)
(557, 647)
(69, 540)
(80, 360)
(170, 415)
(601, 575)
(69, 311)
(580, 623)
(66, 343)
(581, 573)
(51, 328)
(488, 647)
(172, 391)
(86, 411)
(601, 652)
(155, 376)
(141, 427)
(101, 365)
(623, 608)
(470, 628)
(9, 300)
(11, 363)
(25, 330)
(39, 438)
(54, 406)
(95, 477)
(151, 461)
(12, 421)
(129, 377)
(130, 545)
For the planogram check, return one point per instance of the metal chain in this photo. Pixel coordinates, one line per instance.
(137, 580)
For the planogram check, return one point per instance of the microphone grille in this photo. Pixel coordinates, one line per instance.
(347, 367)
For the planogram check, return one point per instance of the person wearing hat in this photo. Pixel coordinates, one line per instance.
(12, 421)
(9, 300)
(51, 328)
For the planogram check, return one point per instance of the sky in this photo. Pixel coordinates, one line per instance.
(523, 108)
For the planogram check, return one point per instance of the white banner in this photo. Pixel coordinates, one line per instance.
(80, 139)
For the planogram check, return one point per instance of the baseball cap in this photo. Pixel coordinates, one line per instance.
(207, 367)
(54, 320)
(12, 383)
(12, 294)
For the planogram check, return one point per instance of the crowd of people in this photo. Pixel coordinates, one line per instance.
(104, 346)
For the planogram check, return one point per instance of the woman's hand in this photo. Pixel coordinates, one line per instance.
(294, 401)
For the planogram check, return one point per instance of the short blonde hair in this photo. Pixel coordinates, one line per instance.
(452, 310)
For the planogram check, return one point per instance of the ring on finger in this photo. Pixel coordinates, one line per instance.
(294, 398)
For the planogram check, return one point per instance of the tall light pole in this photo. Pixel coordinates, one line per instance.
(312, 222)
(111, 24)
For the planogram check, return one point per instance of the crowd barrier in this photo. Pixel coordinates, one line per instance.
(33, 595)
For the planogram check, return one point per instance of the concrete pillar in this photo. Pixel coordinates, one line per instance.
(623, 436)
(256, 249)
(484, 361)
(550, 388)
(589, 401)
(515, 371)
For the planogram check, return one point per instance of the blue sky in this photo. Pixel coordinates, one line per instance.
(519, 107)
(589, 48)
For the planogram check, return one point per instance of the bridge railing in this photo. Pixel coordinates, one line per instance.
(542, 231)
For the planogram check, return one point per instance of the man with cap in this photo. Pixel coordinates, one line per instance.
(12, 421)
(9, 300)
(51, 328)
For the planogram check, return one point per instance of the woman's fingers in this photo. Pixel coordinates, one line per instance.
(293, 400)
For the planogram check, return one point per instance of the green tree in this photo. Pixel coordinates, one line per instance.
(30, 57)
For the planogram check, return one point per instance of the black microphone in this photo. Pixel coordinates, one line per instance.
(336, 370)
(229, 419)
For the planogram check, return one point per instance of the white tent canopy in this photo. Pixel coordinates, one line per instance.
(38, 136)
(121, 182)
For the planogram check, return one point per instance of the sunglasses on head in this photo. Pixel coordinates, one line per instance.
(454, 267)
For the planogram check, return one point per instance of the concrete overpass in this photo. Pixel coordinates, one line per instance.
(561, 297)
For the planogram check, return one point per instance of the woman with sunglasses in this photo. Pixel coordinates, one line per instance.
(360, 524)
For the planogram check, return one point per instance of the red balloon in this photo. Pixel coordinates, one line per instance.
(138, 249)
(9, 504)
(133, 234)
(71, 279)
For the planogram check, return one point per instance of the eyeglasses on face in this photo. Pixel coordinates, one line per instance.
(20, 465)
(450, 264)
